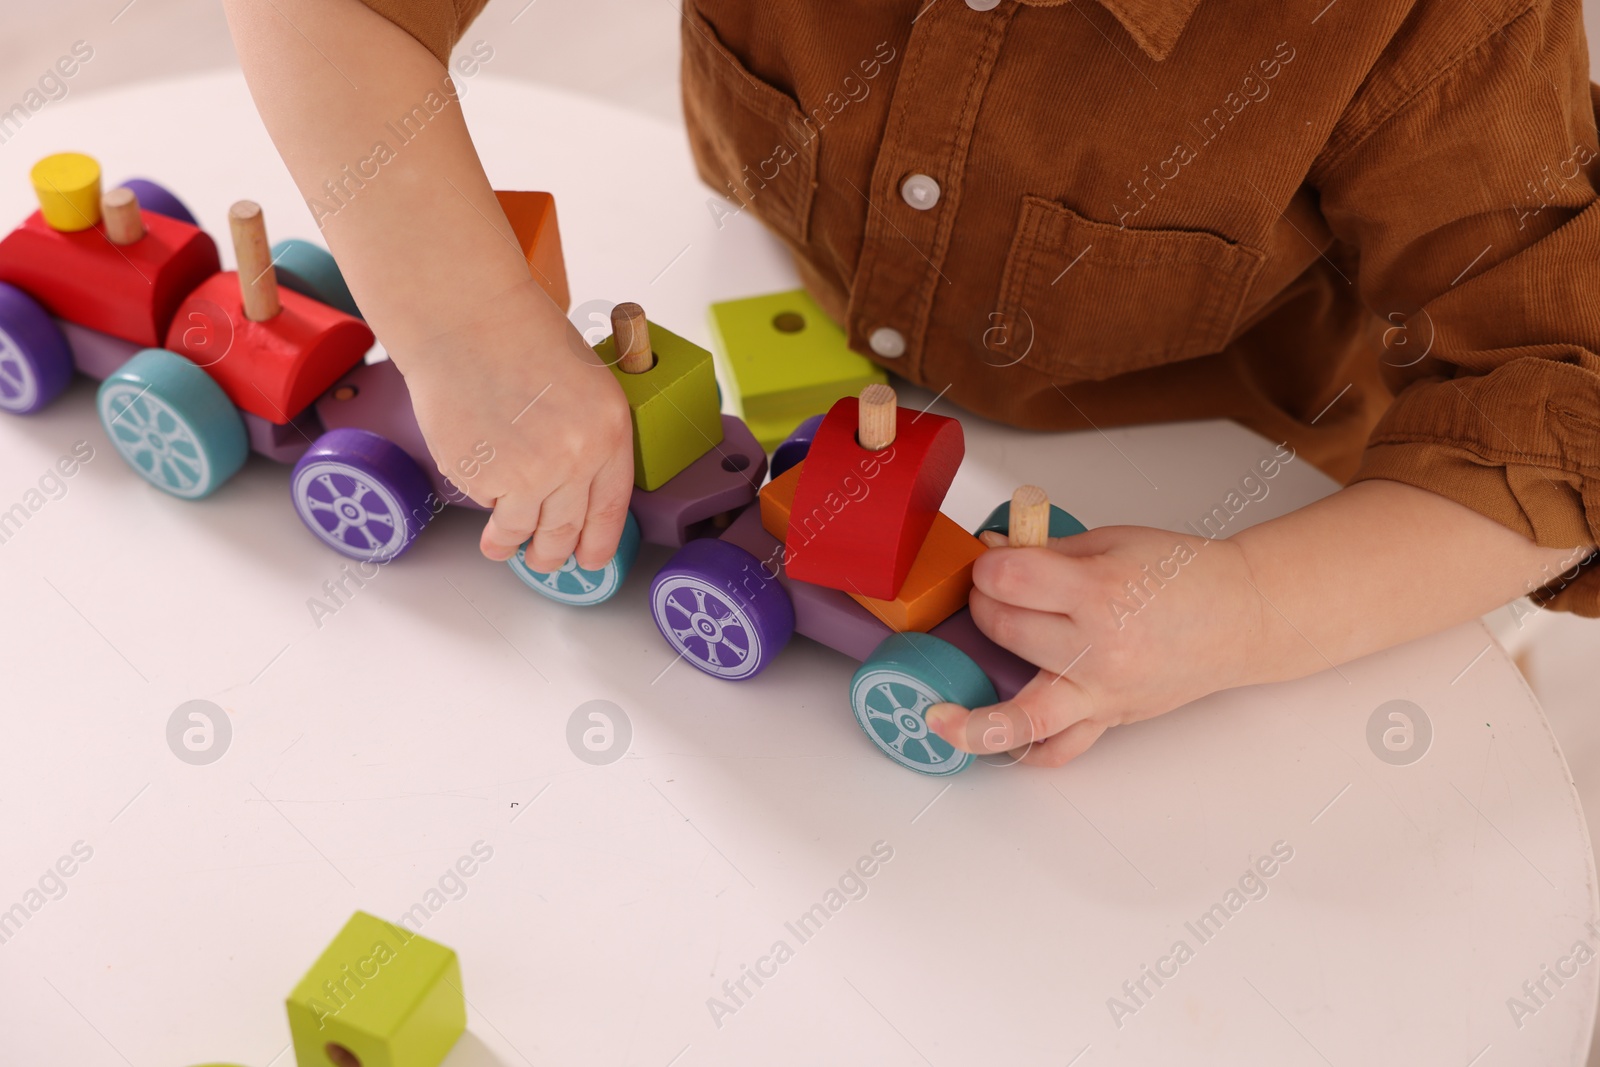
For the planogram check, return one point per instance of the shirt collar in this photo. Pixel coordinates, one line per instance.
(1154, 25)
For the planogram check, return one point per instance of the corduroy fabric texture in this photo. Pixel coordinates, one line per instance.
(1368, 230)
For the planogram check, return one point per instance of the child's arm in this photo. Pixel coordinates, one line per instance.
(1371, 566)
(431, 259)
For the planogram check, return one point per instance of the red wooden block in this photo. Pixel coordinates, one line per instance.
(826, 616)
(940, 578)
(877, 507)
(128, 291)
(275, 368)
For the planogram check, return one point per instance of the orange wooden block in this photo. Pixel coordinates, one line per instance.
(777, 501)
(940, 578)
(533, 219)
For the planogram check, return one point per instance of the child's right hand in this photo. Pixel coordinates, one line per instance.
(524, 417)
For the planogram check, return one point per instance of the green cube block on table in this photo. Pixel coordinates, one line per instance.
(378, 996)
(677, 416)
(784, 361)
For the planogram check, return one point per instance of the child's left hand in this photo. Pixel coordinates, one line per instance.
(1128, 622)
(1125, 622)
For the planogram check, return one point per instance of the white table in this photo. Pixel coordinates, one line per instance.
(431, 712)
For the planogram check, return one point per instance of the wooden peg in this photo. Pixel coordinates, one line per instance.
(120, 209)
(876, 417)
(1030, 517)
(258, 281)
(632, 334)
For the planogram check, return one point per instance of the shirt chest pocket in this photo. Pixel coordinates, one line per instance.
(749, 139)
(1103, 300)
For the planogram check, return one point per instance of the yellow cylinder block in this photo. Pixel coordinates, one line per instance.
(68, 187)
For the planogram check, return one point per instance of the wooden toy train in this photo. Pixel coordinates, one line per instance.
(844, 544)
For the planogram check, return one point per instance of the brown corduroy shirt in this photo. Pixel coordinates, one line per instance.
(1364, 227)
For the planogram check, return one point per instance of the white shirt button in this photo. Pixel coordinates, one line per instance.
(888, 342)
(983, 5)
(920, 191)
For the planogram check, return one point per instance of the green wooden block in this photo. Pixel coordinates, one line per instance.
(784, 361)
(378, 996)
(677, 417)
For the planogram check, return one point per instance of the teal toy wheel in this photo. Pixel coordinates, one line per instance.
(906, 675)
(172, 424)
(310, 270)
(571, 584)
(1062, 524)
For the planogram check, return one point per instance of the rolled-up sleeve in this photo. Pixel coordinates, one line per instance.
(438, 24)
(1468, 187)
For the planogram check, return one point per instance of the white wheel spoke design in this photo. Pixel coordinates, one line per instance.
(713, 632)
(155, 439)
(571, 569)
(569, 583)
(13, 375)
(350, 510)
(890, 705)
(19, 386)
(179, 473)
(735, 649)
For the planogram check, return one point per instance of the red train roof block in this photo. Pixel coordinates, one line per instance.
(129, 291)
(273, 369)
(860, 516)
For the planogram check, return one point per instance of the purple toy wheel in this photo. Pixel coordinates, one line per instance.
(155, 197)
(793, 448)
(361, 494)
(719, 609)
(35, 362)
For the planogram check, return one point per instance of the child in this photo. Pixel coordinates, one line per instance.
(1365, 229)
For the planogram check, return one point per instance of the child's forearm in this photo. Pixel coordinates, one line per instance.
(414, 223)
(1380, 563)
(367, 121)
